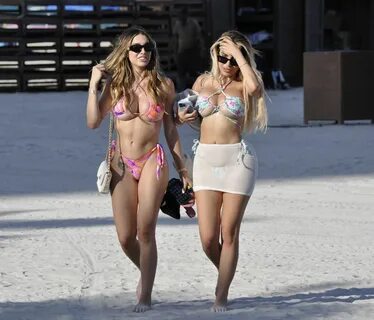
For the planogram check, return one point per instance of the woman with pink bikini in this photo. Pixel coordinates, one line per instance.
(140, 98)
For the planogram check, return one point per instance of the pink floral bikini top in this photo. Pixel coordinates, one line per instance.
(231, 107)
(153, 113)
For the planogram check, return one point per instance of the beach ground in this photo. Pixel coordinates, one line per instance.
(306, 242)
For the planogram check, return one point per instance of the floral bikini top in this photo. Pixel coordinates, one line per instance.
(153, 113)
(231, 107)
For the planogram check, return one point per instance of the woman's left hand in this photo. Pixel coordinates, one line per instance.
(187, 181)
(187, 185)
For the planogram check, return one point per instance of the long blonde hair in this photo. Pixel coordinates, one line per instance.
(119, 66)
(255, 113)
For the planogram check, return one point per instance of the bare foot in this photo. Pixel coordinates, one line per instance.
(218, 307)
(139, 288)
(141, 307)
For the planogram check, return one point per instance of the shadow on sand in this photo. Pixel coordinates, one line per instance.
(15, 224)
(306, 306)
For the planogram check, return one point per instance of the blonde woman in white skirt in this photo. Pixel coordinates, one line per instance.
(230, 103)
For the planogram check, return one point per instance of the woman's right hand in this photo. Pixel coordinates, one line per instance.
(185, 116)
(98, 72)
(98, 105)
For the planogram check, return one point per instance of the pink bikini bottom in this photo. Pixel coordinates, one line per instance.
(136, 166)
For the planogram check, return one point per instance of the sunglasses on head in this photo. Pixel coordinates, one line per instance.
(224, 60)
(137, 47)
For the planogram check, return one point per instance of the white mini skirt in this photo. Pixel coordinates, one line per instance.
(230, 168)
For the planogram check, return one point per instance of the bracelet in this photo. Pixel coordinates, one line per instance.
(182, 170)
(243, 64)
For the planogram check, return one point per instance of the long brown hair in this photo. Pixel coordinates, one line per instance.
(119, 66)
(255, 114)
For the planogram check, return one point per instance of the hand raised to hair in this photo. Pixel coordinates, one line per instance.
(230, 48)
(99, 72)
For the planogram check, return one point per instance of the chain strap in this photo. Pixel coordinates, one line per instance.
(110, 135)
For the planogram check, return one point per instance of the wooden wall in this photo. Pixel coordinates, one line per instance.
(53, 44)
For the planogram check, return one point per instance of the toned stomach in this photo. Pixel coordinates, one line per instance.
(217, 129)
(137, 137)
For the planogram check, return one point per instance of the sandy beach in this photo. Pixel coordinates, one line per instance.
(306, 243)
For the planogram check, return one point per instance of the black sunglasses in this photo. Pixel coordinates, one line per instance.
(224, 60)
(137, 47)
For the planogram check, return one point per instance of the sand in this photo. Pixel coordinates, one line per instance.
(306, 243)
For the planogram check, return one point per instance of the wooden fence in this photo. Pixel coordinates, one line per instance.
(53, 44)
